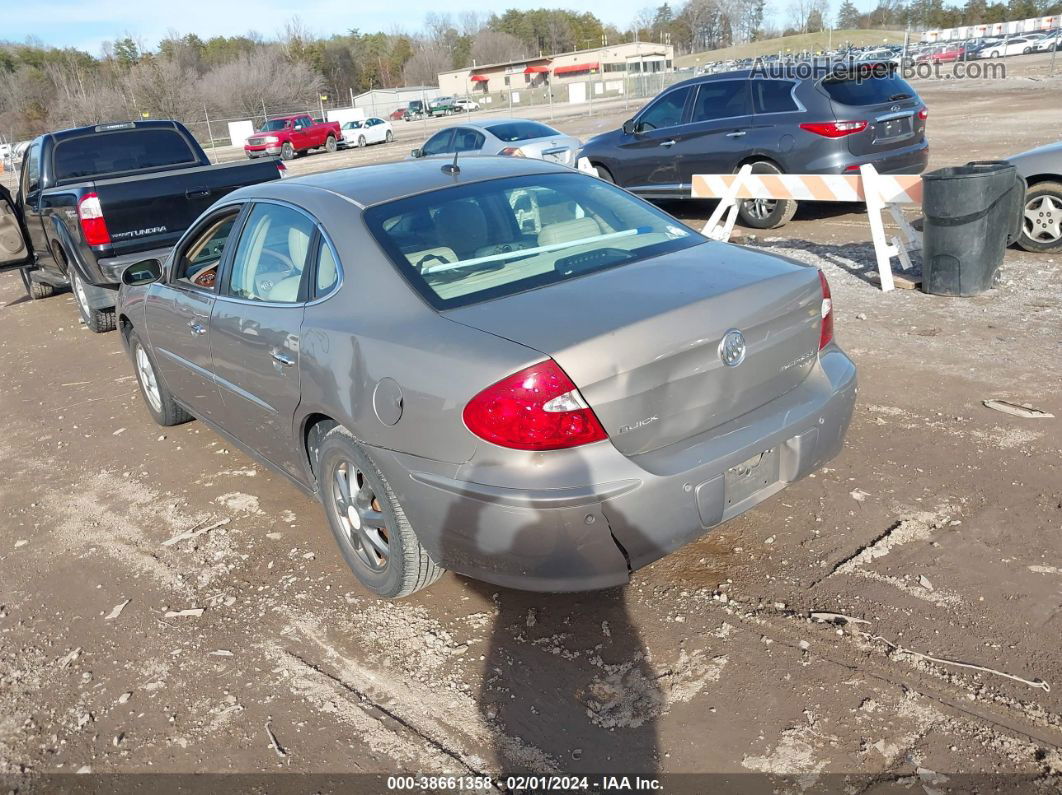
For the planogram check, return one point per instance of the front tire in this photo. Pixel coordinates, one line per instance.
(374, 536)
(287, 151)
(98, 321)
(35, 290)
(389, 137)
(361, 141)
(330, 144)
(605, 174)
(159, 400)
(1041, 223)
(766, 213)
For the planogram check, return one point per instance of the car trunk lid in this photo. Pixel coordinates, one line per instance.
(648, 359)
(886, 102)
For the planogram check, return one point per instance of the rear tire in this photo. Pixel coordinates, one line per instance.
(158, 399)
(98, 321)
(766, 213)
(35, 290)
(1041, 227)
(361, 141)
(389, 137)
(330, 144)
(365, 517)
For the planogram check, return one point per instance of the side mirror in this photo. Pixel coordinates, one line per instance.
(416, 152)
(144, 272)
(629, 127)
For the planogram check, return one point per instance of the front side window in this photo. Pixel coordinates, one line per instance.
(271, 256)
(467, 140)
(666, 111)
(198, 262)
(489, 239)
(438, 143)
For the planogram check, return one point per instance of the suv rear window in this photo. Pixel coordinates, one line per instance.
(520, 131)
(484, 240)
(100, 154)
(773, 96)
(868, 90)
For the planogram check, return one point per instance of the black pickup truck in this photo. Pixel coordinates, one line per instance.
(93, 200)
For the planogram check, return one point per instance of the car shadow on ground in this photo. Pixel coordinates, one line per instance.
(568, 674)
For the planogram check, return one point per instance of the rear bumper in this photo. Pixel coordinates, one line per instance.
(911, 159)
(591, 520)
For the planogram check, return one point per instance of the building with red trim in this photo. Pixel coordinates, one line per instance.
(614, 63)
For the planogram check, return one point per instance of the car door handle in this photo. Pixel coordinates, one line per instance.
(196, 193)
(735, 134)
(197, 329)
(280, 358)
(670, 142)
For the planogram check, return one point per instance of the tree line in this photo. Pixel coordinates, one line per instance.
(187, 77)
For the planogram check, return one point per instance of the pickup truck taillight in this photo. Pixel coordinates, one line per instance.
(93, 226)
(282, 168)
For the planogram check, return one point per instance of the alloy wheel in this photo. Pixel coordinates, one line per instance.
(361, 516)
(1043, 219)
(760, 208)
(147, 379)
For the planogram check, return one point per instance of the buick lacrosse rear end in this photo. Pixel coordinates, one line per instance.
(516, 372)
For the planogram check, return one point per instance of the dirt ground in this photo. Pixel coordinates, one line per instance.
(936, 535)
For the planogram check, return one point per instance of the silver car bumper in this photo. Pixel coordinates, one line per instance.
(570, 536)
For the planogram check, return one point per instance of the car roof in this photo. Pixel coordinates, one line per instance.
(369, 185)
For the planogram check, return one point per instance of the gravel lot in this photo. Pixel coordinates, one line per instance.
(937, 532)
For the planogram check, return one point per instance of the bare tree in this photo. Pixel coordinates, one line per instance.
(425, 64)
(262, 77)
(492, 46)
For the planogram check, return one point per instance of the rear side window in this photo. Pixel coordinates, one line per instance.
(98, 154)
(520, 131)
(773, 96)
(723, 99)
(868, 90)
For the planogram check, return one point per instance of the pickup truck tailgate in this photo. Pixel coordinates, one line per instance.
(149, 211)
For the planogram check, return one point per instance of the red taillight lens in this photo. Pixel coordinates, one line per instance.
(93, 227)
(826, 335)
(924, 113)
(282, 168)
(535, 409)
(834, 129)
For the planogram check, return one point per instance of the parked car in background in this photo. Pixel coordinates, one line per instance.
(289, 136)
(1050, 42)
(510, 137)
(465, 105)
(943, 53)
(396, 114)
(1042, 215)
(602, 385)
(93, 200)
(829, 122)
(373, 130)
(1016, 45)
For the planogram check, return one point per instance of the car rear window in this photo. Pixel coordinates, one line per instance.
(100, 154)
(773, 96)
(520, 131)
(868, 90)
(485, 240)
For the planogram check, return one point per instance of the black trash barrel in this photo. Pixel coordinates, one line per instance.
(971, 214)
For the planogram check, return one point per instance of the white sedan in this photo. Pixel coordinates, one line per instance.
(1018, 45)
(371, 131)
(466, 105)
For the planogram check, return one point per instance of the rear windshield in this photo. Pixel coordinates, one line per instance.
(476, 242)
(866, 90)
(520, 131)
(100, 154)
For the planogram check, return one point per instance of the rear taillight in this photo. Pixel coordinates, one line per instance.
(538, 408)
(93, 227)
(923, 114)
(834, 129)
(826, 310)
(512, 151)
(282, 168)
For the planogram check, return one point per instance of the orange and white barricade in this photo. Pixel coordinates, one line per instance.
(880, 192)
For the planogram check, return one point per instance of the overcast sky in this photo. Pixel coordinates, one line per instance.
(87, 23)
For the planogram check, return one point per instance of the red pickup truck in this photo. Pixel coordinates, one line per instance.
(289, 136)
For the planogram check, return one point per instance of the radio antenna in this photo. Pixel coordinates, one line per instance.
(452, 168)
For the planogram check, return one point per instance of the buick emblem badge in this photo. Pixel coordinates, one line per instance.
(732, 348)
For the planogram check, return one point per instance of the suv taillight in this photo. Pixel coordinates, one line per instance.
(923, 114)
(826, 310)
(93, 227)
(538, 408)
(834, 129)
